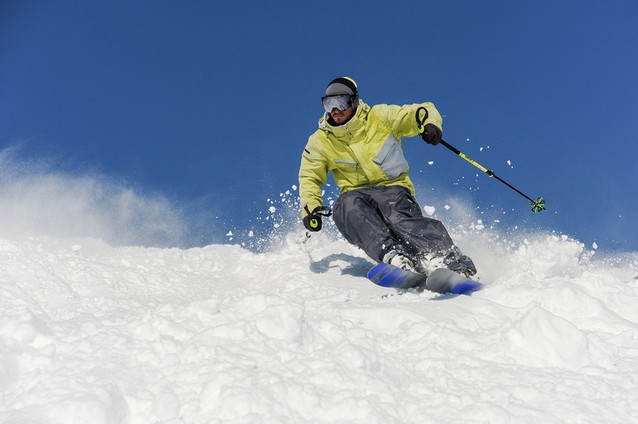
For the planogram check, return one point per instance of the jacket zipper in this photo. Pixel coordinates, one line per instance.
(356, 164)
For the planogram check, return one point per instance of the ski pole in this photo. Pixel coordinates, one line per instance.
(537, 205)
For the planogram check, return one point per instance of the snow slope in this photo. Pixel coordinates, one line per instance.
(92, 333)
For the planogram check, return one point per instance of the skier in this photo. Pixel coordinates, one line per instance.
(376, 209)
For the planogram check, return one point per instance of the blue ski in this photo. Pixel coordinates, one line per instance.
(441, 280)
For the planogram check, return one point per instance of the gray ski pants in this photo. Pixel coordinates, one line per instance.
(379, 219)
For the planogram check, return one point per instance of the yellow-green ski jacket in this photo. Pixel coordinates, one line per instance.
(365, 151)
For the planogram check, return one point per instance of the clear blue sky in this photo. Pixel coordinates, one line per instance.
(211, 103)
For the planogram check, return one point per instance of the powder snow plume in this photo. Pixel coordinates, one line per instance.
(39, 200)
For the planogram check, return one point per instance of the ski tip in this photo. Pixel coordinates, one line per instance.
(466, 287)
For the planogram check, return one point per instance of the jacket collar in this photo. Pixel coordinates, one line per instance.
(358, 121)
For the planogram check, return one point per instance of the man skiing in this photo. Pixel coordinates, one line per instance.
(376, 209)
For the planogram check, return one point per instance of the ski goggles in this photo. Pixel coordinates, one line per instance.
(341, 102)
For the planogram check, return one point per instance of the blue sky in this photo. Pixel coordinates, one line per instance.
(210, 103)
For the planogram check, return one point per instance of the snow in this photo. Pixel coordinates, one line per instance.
(96, 333)
(282, 328)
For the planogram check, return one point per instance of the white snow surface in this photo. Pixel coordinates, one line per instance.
(94, 333)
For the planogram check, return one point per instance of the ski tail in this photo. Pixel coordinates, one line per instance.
(387, 275)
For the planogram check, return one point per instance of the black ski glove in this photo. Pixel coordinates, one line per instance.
(431, 134)
(312, 221)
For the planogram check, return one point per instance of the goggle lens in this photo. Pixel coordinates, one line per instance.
(341, 102)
